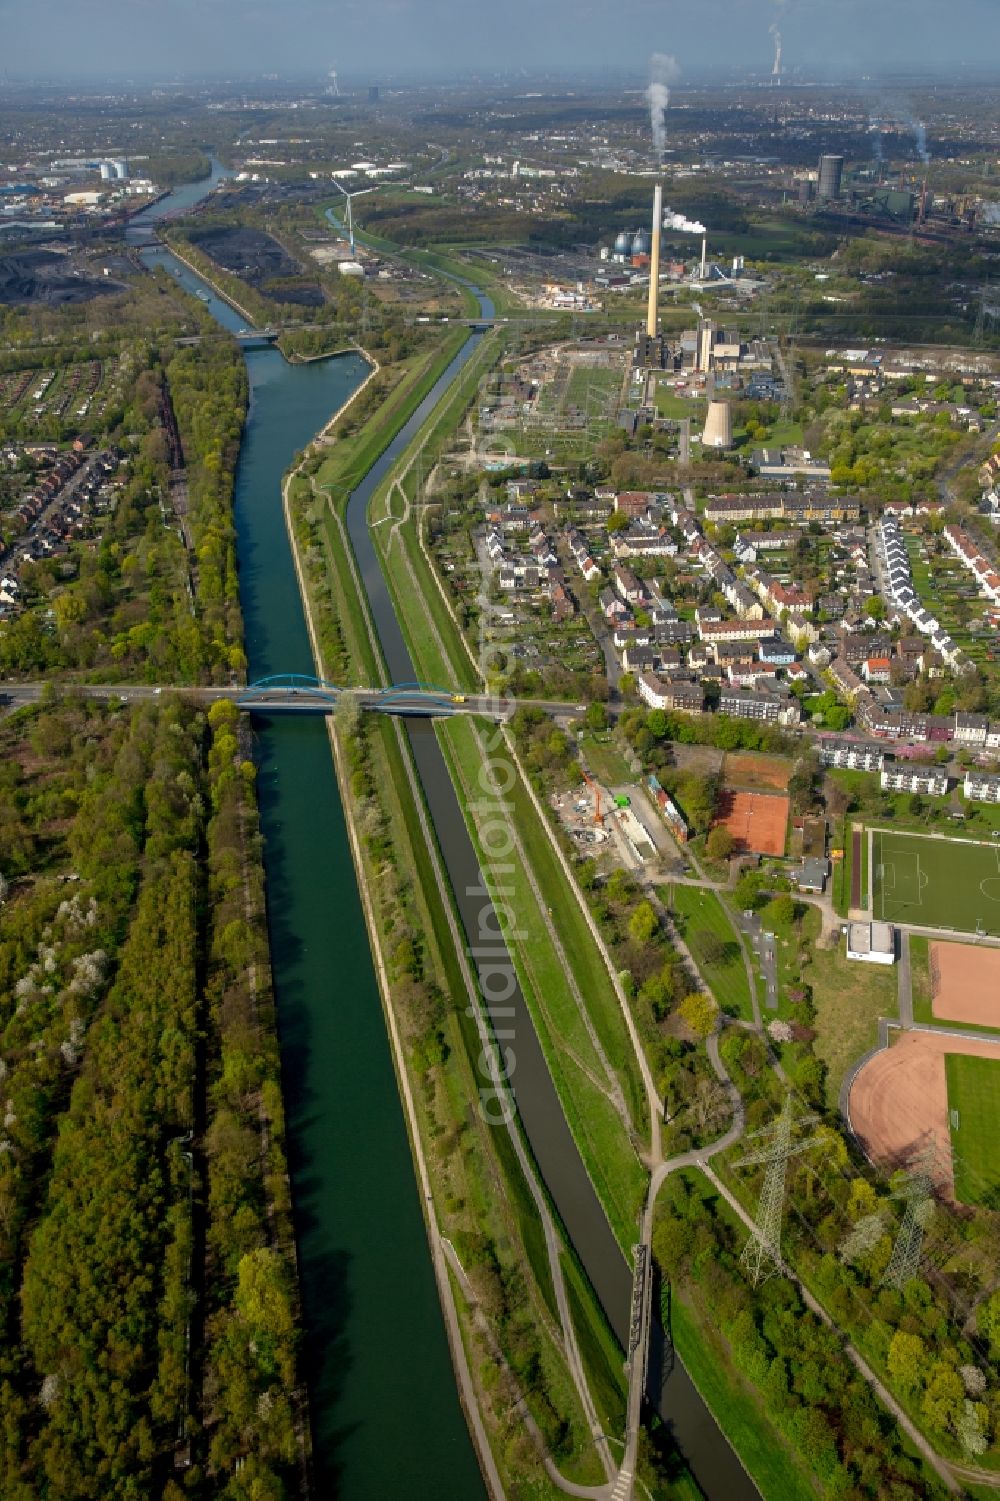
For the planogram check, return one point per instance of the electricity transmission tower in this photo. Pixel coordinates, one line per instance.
(761, 1255)
(987, 315)
(917, 1193)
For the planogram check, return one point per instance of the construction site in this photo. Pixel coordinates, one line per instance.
(620, 826)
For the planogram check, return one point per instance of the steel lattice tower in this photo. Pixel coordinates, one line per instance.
(918, 1196)
(761, 1255)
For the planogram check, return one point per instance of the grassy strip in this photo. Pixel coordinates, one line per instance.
(604, 1146)
(599, 1350)
(430, 632)
(698, 910)
(762, 1451)
(974, 1112)
(920, 976)
(354, 454)
(468, 1201)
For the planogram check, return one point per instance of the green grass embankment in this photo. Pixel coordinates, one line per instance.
(353, 453)
(433, 636)
(466, 1160)
(577, 1070)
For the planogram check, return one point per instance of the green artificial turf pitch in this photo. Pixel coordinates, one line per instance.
(936, 883)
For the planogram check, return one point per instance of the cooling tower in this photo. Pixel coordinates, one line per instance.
(718, 426)
(654, 263)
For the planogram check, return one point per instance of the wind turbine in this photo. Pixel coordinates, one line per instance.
(350, 216)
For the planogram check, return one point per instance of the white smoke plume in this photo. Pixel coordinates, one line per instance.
(920, 141)
(875, 131)
(682, 225)
(663, 71)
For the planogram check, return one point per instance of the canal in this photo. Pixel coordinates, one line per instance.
(385, 1414)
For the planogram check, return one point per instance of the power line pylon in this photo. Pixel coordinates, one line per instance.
(761, 1255)
(917, 1193)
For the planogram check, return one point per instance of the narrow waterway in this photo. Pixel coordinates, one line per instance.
(385, 1414)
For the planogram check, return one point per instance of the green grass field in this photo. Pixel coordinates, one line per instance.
(936, 883)
(698, 911)
(605, 760)
(974, 1107)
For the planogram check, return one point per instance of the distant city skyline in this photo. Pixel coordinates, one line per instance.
(91, 39)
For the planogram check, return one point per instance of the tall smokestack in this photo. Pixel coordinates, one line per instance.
(654, 263)
(704, 257)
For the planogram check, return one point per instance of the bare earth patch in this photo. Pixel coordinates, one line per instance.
(749, 769)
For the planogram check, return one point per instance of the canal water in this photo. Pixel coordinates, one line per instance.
(386, 1418)
(385, 1412)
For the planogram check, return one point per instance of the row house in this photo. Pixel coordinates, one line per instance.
(979, 787)
(542, 550)
(743, 602)
(644, 541)
(971, 729)
(510, 518)
(980, 567)
(857, 646)
(851, 755)
(729, 653)
(712, 631)
(577, 545)
(929, 781)
(726, 509)
(522, 574)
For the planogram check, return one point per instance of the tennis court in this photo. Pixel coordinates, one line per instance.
(951, 884)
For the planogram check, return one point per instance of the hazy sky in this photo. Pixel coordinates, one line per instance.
(375, 38)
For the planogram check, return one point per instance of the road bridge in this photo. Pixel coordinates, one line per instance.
(280, 693)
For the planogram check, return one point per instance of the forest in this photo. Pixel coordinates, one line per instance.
(147, 1295)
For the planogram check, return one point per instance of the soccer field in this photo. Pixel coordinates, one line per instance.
(936, 883)
(974, 1118)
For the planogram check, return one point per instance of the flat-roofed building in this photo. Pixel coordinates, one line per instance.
(871, 942)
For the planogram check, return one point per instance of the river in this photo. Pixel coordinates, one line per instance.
(385, 1414)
